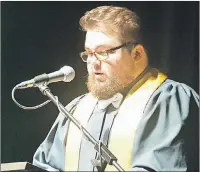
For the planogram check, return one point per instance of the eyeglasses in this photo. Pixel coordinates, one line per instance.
(103, 55)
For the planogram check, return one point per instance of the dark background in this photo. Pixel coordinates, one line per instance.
(41, 37)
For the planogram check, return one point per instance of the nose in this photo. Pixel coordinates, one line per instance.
(94, 63)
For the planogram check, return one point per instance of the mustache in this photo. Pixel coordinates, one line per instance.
(112, 79)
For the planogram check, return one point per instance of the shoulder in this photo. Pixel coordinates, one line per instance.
(171, 88)
(70, 106)
(173, 97)
(75, 101)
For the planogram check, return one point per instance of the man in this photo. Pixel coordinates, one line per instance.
(146, 120)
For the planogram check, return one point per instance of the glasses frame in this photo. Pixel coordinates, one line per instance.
(105, 51)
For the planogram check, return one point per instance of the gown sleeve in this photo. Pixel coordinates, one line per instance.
(167, 138)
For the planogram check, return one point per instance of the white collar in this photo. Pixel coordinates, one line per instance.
(115, 100)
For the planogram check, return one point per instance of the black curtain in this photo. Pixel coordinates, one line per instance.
(41, 37)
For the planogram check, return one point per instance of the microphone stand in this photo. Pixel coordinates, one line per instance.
(106, 154)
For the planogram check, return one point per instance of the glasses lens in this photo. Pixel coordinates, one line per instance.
(99, 55)
(102, 55)
(84, 56)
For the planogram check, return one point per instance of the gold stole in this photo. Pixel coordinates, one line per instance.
(124, 126)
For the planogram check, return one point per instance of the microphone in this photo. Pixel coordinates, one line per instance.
(65, 74)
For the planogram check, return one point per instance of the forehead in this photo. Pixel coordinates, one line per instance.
(96, 38)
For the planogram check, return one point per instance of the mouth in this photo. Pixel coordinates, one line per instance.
(98, 73)
(99, 76)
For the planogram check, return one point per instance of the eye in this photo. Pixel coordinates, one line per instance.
(103, 53)
(111, 51)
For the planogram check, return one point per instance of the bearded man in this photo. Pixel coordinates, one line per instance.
(143, 117)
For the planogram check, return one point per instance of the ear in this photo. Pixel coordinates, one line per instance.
(138, 53)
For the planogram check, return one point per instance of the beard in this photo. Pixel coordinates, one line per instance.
(105, 89)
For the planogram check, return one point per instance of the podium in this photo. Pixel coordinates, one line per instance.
(19, 166)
